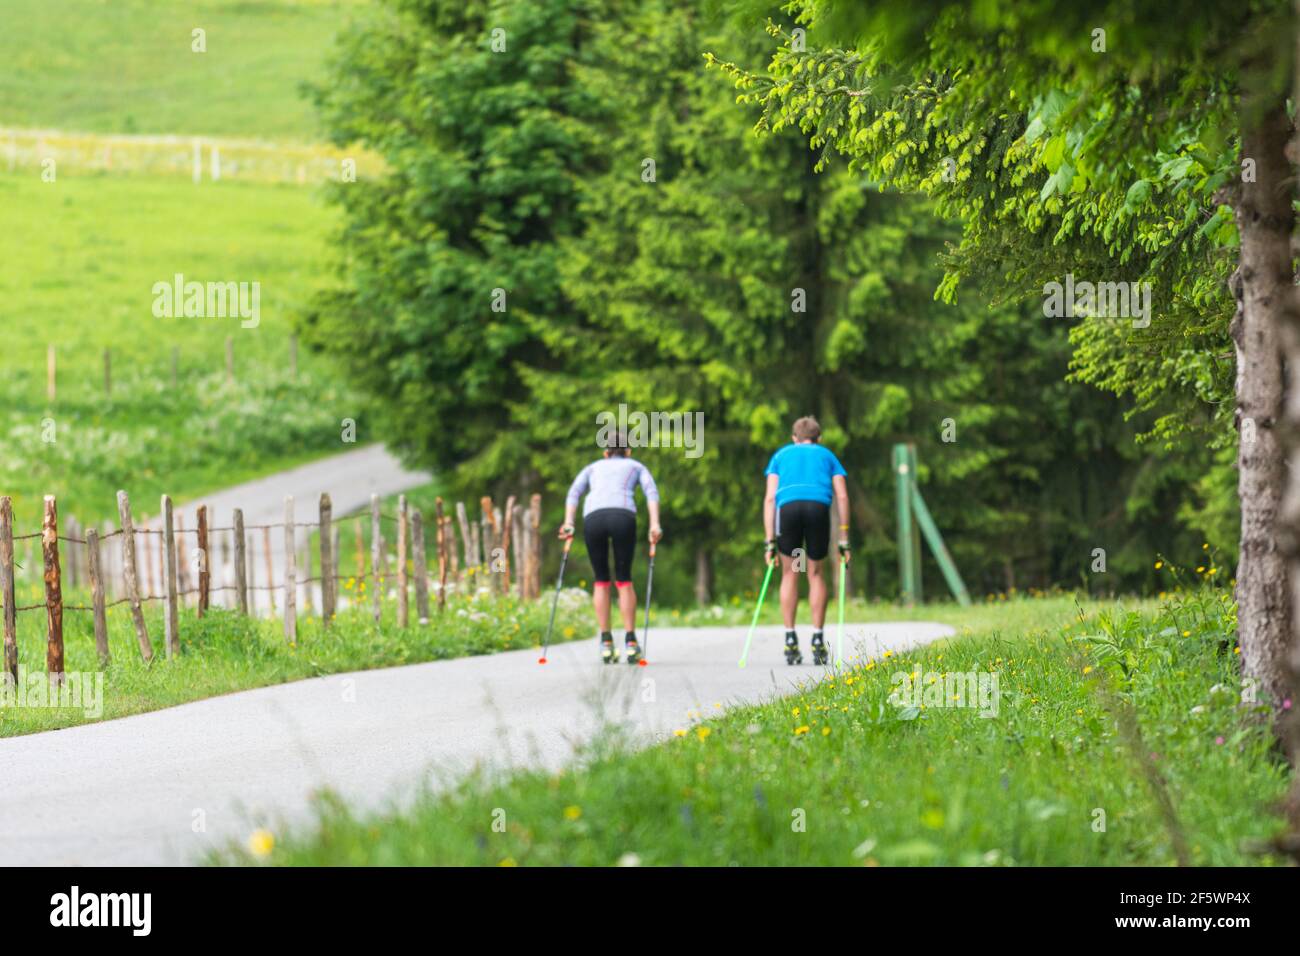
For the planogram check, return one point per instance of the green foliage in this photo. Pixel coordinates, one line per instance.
(736, 283)
(453, 257)
(1046, 148)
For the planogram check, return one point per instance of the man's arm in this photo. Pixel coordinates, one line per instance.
(841, 487)
(769, 507)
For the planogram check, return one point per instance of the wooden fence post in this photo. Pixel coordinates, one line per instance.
(290, 574)
(270, 566)
(489, 540)
(376, 553)
(403, 607)
(252, 572)
(205, 574)
(471, 559)
(334, 564)
(507, 520)
(327, 579)
(449, 534)
(535, 522)
(359, 562)
(520, 549)
(442, 554)
(53, 591)
(97, 596)
(421, 567)
(7, 586)
(132, 577)
(182, 565)
(146, 560)
(306, 600)
(241, 564)
(171, 614)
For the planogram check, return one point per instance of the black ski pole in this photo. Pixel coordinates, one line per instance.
(649, 584)
(559, 582)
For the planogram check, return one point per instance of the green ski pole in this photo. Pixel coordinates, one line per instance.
(839, 643)
(754, 623)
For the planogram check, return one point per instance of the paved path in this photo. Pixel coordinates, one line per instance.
(135, 790)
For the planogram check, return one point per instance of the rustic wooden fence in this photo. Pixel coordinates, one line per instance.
(52, 366)
(499, 552)
(199, 158)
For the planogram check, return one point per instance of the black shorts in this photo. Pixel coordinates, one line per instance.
(804, 524)
(600, 529)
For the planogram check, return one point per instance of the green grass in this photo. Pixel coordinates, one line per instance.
(126, 66)
(226, 652)
(839, 775)
(83, 282)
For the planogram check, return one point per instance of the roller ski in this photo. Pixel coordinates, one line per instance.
(820, 656)
(608, 652)
(792, 653)
(632, 650)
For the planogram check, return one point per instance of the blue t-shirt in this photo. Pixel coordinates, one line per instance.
(805, 473)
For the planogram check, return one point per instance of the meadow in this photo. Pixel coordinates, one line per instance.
(84, 284)
(1119, 739)
(128, 66)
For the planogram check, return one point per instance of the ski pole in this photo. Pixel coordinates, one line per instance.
(649, 583)
(555, 602)
(754, 623)
(839, 643)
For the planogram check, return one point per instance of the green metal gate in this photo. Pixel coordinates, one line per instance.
(914, 521)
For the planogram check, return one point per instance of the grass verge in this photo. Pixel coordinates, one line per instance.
(226, 652)
(840, 774)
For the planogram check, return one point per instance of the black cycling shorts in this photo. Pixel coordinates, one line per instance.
(804, 524)
(600, 529)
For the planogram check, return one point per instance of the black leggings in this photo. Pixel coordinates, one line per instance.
(599, 529)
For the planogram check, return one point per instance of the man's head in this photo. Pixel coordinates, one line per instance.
(806, 429)
(616, 445)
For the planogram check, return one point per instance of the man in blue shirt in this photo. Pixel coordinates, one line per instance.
(801, 478)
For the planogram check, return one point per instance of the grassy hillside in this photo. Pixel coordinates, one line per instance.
(81, 256)
(126, 66)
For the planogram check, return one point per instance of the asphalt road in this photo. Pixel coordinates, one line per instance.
(163, 787)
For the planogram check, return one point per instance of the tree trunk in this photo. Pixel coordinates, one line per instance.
(1263, 288)
(703, 576)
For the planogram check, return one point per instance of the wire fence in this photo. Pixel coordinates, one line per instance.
(500, 549)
